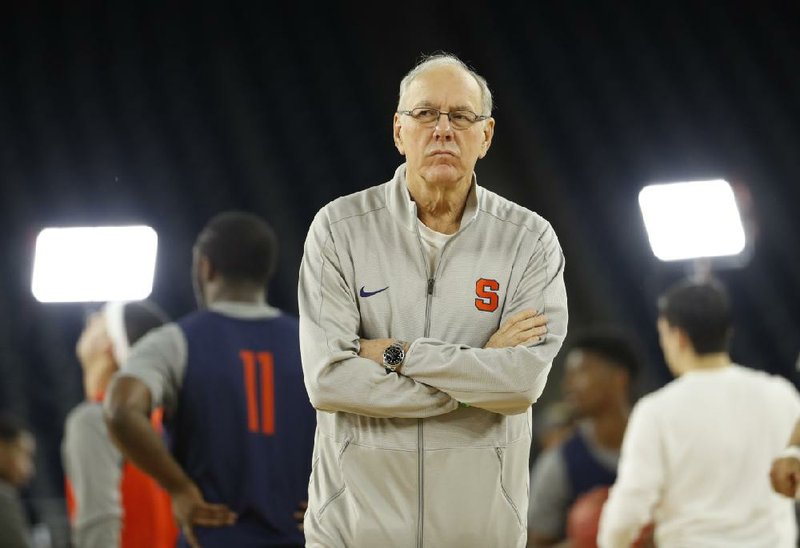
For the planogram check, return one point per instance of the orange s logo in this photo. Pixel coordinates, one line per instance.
(486, 290)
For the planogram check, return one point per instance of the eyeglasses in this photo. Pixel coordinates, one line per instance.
(459, 119)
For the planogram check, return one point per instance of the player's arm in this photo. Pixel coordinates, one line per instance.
(94, 468)
(336, 377)
(785, 472)
(628, 512)
(152, 377)
(127, 408)
(503, 380)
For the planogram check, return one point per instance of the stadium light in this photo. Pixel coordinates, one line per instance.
(692, 220)
(94, 264)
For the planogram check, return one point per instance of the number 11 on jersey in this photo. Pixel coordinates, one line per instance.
(254, 362)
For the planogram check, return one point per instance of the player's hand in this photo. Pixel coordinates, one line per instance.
(785, 475)
(190, 509)
(524, 328)
(300, 514)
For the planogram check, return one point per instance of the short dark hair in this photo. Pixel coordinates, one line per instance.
(703, 310)
(140, 317)
(11, 427)
(241, 246)
(614, 344)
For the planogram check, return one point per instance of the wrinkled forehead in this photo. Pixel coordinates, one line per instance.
(444, 87)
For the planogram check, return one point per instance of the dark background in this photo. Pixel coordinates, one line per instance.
(167, 114)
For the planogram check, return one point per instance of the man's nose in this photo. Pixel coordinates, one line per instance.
(443, 126)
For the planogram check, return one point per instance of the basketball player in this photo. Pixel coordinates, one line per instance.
(109, 501)
(697, 452)
(231, 384)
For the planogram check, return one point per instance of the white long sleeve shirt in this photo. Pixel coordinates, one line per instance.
(696, 458)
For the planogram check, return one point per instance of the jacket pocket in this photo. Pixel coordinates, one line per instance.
(507, 484)
(327, 483)
(382, 492)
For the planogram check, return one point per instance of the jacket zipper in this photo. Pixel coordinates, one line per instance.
(420, 423)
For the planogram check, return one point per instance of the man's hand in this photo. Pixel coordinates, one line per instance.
(524, 327)
(190, 509)
(372, 349)
(785, 475)
(300, 514)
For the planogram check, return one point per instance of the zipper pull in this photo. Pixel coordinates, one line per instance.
(430, 286)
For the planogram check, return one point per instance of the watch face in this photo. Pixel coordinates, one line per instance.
(393, 355)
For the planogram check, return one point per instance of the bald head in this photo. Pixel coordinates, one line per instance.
(446, 60)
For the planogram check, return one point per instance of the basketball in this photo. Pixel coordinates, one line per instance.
(583, 518)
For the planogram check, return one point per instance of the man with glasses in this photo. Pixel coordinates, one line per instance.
(423, 337)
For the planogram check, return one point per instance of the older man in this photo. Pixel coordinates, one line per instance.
(424, 399)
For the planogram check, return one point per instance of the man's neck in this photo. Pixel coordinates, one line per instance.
(707, 362)
(244, 295)
(440, 207)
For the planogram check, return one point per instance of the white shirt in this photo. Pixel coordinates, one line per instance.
(432, 243)
(696, 458)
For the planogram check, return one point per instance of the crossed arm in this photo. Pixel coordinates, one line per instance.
(526, 327)
(505, 376)
(523, 328)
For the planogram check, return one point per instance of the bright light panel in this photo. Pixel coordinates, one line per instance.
(91, 264)
(694, 219)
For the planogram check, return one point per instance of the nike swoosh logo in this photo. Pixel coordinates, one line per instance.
(371, 293)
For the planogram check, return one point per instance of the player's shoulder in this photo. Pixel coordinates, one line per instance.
(506, 211)
(283, 322)
(768, 381)
(656, 402)
(288, 319)
(86, 417)
(164, 336)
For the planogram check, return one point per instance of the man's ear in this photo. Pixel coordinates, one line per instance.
(206, 269)
(684, 342)
(488, 134)
(398, 140)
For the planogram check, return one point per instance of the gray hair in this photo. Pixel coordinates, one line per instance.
(439, 59)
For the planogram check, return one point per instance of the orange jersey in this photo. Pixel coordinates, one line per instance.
(147, 519)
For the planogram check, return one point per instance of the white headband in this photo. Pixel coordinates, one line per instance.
(114, 313)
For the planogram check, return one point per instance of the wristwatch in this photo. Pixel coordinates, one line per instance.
(393, 356)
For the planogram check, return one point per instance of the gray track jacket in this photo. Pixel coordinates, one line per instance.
(436, 456)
